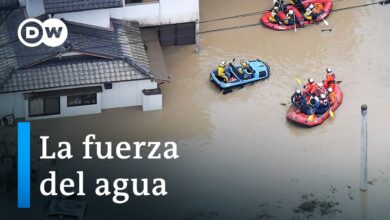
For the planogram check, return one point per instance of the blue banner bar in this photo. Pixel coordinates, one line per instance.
(23, 164)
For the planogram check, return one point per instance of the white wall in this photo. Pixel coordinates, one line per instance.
(179, 11)
(147, 14)
(125, 94)
(99, 18)
(122, 94)
(152, 102)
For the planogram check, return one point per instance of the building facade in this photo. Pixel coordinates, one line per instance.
(175, 20)
(95, 69)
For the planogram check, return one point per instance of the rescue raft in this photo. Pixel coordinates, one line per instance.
(295, 116)
(300, 21)
(260, 71)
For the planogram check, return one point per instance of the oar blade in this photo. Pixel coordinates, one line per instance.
(326, 23)
(298, 81)
(331, 113)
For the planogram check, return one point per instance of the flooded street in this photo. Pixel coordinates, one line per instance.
(239, 157)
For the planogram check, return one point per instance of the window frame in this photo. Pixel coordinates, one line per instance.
(83, 104)
(44, 107)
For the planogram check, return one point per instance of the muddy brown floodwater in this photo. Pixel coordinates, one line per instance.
(240, 158)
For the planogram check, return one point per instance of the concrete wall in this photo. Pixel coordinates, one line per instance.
(122, 94)
(147, 14)
(125, 94)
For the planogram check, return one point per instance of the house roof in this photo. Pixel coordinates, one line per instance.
(90, 55)
(61, 6)
(9, 4)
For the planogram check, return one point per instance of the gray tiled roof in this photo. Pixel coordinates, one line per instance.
(104, 55)
(60, 6)
(9, 4)
(71, 73)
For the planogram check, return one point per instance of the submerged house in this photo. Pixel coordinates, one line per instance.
(95, 69)
(176, 22)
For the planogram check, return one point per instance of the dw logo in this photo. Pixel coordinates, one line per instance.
(52, 32)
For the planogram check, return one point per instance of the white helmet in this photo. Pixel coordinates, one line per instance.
(323, 96)
(329, 70)
(320, 85)
(311, 80)
(223, 62)
(330, 90)
(276, 8)
(311, 6)
(291, 12)
(298, 91)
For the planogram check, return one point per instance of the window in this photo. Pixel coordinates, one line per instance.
(177, 34)
(78, 100)
(44, 106)
(132, 1)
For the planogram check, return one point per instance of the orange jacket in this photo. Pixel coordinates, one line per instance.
(330, 80)
(332, 98)
(330, 77)
(313, 88)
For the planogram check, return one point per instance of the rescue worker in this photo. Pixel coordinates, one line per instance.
(314, 103)
(311, 88)
(308, 86)
(320, 89)
(274, 17)
(290, 18)
(297, 3)
(331, 96)
(298, 99)
(306, 109)
(221, 72)
(246, 67)
(242, 73)
(323, 105)
(330, 79)
(311, 13)
(279, 4)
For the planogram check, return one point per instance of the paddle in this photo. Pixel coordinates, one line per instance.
(311, 117)
(295, 24)
(325, 22)
(331, 113)
(298, 81)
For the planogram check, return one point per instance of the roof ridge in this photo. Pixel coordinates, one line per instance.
(138, 67)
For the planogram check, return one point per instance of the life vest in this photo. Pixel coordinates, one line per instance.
(318, 8)
(288, 20)
(330, 77)
(221, 71)
(308, 87)
(313, 88)
(308, 14)
(330, 80)
(246, 67)
(332, 98)
(273, 17)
